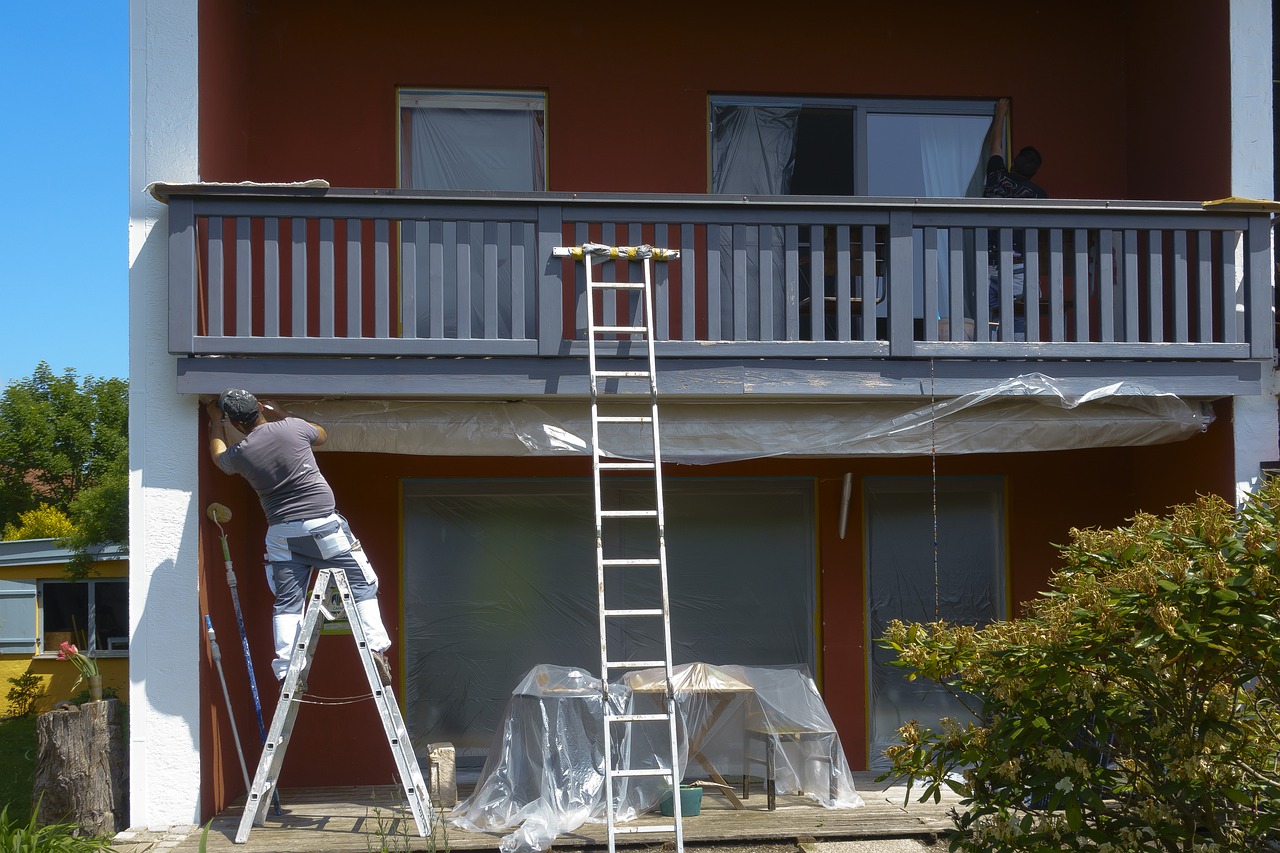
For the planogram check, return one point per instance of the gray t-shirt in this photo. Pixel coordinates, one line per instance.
(277, 461)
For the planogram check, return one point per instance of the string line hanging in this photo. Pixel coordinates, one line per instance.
(933, 465)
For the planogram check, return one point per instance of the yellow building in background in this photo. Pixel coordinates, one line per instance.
(40, 607)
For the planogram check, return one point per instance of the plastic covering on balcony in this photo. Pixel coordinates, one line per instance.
(1026, 413)
(544, 775)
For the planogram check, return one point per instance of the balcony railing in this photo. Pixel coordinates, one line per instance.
(285, 271)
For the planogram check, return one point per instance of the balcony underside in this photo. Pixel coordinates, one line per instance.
(720, 379)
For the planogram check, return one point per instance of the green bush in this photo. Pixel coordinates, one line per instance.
(17, 836)
(22, 696)
(1133, 708)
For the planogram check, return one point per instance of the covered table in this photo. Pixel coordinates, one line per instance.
(544, 773)
(713, 708)
(545, 770)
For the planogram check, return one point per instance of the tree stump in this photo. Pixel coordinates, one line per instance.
(81, 774)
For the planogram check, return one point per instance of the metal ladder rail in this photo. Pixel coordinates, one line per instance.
(600, 464)
(278, 736)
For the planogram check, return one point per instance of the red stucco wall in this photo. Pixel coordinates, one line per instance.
(1124, 100)
(1048, 493)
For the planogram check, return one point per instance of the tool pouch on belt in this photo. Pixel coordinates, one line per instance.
(325, 541)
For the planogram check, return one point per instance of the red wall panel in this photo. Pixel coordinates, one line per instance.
(1124, 99)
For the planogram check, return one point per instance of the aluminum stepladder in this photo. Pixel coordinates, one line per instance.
(264, 781)
(613, 401)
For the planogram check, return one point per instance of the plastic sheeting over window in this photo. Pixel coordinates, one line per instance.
(473, 141)
(545, 773)
(1026, 413)
(935, 551)
(500, 574)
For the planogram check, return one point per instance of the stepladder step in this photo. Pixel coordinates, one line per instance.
(409, 773)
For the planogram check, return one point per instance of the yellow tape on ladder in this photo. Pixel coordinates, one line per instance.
(627, 253)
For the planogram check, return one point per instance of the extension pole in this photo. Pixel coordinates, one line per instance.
(218, 514)
(216, 654)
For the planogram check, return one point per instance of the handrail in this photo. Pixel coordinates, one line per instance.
(306, 271)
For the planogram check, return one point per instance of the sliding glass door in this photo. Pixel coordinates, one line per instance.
(960, 579)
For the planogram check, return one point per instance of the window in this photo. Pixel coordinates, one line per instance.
(499, 575)
(909, 525)
(472, 140)
(92, 614)
(831, 146)
(828, 146)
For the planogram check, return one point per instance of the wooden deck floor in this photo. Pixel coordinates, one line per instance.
(349, 819)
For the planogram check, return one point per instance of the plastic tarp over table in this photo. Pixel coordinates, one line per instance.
(545, 770)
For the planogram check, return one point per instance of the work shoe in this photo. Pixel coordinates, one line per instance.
(384, 668)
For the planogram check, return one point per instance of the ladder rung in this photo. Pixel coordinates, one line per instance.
(643, 771)
(624, 419)
(634, 664)
(618, 285)
(632, 830)
(631, 561)
(626, 466)
(646, 612)
(628, 513)
(639, 718)
(622, 374)
(619, 330)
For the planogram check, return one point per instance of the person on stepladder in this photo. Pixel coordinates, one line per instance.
(1005, 182)
(305, 532)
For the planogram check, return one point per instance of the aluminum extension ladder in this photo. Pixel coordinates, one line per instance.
(614, 394)
(264, 781)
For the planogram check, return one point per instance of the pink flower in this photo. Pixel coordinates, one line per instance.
(87, 665)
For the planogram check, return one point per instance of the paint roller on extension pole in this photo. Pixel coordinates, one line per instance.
(218, 513)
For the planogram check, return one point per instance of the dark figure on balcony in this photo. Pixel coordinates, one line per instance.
(305, 532)
(1003, 182)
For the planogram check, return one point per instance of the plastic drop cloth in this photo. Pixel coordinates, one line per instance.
(544, 775)
(1032, 412)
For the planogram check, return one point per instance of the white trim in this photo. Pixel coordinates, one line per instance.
(1252, 140)
(1254, 419)
(457, 99)
(164, 660)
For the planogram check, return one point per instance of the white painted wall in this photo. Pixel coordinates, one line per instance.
(164, 664)
(1254, 419)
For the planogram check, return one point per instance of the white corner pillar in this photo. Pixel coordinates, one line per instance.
(164, 625)
(1255, 425)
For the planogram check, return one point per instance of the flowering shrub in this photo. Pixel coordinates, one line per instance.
(1136, 706)
(88, 666)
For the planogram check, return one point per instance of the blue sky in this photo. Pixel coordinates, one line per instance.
(64, 171)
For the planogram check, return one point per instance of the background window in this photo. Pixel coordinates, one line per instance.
(93, 614)
(472, 141)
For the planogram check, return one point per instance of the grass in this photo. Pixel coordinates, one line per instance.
(30, 837)
(17, 765)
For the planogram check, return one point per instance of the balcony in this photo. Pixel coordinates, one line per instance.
(389, 292)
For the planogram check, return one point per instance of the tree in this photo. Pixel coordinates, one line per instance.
(1136, 706)
(43, 522)
(100, 516)
(64, 442)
